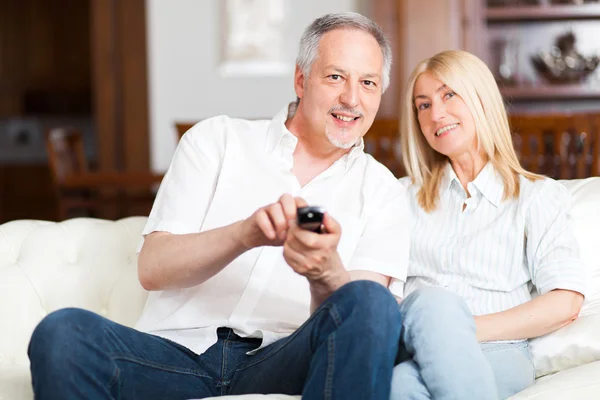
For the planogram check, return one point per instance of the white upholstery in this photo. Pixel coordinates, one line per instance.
(45, 266)
(91, 264)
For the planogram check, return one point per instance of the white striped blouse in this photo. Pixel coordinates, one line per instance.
(494, 251)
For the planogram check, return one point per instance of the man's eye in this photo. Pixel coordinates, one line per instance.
(369, 83)
(335, 77)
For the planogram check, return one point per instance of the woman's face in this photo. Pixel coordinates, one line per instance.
(444, 118)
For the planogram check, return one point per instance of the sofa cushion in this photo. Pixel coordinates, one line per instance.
(579, 342)
(576, 383)
(45, 266)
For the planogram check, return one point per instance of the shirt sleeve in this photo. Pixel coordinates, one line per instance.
(385, 242)
(189, 184)
(552, 250)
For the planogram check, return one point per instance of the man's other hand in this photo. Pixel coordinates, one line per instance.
(269, 225)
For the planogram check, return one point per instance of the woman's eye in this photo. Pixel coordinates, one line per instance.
(423, 106)
(449, 95)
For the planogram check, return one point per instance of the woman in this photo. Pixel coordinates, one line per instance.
(485, 231)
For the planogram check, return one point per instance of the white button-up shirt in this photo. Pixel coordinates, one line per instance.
(492, 252)
(223, 170)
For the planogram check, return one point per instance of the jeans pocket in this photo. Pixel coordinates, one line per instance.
(512, 366)
(530, 358)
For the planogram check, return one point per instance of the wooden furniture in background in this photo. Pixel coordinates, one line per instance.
(96, 193)
(557, 145)
(382, 141)
(73, 59)
(26, 192)
(535, 25)
(560, 146)
(182, 127)
(120, 84)
(45, 63)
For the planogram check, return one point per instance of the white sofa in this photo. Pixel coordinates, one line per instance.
(91, 264)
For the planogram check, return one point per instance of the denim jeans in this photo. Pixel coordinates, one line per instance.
(440, 357)
(512, 366)
(345, 350)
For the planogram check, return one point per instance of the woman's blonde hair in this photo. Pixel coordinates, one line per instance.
(472, 80)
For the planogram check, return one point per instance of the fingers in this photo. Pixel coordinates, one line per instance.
(278, 219)
(302, 240)
(331, 225)
(264, 223)
(288, 205)
(300, 202)
(275, 220)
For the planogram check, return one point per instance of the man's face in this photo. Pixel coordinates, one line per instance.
(342, 93)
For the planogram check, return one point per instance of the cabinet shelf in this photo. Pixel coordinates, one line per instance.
(544, 92)
(542, 13)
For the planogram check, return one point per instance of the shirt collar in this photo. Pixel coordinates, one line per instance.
(278, 135)
(487, 182)
(448, 178)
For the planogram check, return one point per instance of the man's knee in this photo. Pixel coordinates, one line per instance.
(56, 336)
(370, 303)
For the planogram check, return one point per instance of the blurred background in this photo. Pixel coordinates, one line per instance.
(94, 94)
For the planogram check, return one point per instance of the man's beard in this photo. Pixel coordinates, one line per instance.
(340, 144)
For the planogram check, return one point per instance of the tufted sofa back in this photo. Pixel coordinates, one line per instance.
(44, 266)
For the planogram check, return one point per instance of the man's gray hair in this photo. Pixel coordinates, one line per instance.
(309, 42)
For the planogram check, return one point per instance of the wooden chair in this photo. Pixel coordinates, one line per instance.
(382, 141)
(81, 192)
(560, 146)
(66, 157)
(183, 127)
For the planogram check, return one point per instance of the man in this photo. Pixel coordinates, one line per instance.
(234, 279)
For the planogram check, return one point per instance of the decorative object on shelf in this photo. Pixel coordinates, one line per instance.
(563, 64)
(576, 2)
(512, 3)
(506, 55)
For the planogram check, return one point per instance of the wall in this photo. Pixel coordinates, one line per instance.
(184, 80)
(426, 27)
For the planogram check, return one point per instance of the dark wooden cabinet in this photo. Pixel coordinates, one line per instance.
(67, 61)
(26, 192)
(515, 33)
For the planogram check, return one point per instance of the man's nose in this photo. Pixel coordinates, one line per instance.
(349, 96)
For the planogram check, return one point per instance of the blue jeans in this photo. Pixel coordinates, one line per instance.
(441, 358)
(512, 366)
(345, 350)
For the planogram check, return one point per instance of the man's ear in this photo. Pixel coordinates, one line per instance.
(299, 80)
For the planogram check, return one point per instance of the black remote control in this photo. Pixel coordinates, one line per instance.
(310, 218)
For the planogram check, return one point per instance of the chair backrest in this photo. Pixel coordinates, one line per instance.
(65, 153)
(382, 141)
(182, 127)
(562, 146)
